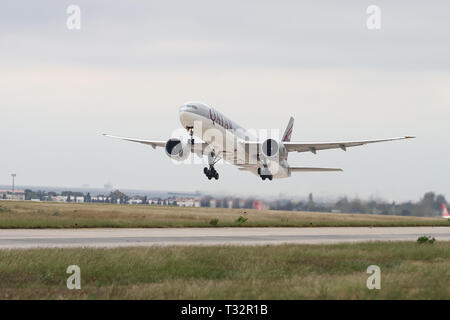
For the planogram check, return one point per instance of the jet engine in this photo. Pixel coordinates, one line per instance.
(176, 149)
(270, 148)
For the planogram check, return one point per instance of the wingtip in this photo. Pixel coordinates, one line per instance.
(410, 137)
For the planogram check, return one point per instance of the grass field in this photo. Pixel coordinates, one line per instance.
(27, 214)
(408, 271)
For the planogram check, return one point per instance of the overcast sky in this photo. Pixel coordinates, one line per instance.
(133, 63)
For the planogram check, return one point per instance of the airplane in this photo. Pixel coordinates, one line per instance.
(222, 138)
(445, 214)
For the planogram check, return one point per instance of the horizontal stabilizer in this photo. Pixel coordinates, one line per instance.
(310, 169)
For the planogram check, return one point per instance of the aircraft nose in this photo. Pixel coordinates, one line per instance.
(185, 117)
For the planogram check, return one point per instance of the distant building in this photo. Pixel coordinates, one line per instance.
(59, 198)
(188, 202)
(8, 195)
(77, 199)
(99, 199)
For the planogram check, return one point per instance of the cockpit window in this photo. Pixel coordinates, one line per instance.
(192, 106)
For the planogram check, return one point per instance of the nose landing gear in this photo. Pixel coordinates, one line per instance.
(191, 135)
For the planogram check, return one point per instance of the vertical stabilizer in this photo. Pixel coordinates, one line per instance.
(288, 132)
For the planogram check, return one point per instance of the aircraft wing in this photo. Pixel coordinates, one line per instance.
(315, 146)
(153, 143)
(199, 148)
(309, 169)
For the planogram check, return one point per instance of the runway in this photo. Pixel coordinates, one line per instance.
(61, 238)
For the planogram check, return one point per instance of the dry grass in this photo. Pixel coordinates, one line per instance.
(408, 271)
(25, 214)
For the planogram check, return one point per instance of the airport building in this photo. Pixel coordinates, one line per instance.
(9, 195)
(188, 202)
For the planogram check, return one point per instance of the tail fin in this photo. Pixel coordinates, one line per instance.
(288, 132)
(444, 211)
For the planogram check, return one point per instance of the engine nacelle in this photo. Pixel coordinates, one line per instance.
(270, 148)
(176, 149)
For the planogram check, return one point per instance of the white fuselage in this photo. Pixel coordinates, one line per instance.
(226, 137)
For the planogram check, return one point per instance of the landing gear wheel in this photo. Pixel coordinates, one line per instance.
(211, 173)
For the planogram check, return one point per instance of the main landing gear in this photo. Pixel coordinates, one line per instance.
(265, 176)
(211, 172)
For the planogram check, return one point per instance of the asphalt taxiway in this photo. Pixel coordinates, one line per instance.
(59, 238)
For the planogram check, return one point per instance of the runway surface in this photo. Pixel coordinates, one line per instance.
(50, 238)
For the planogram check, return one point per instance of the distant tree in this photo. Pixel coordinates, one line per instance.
(204, 202)
(356, 206)
(440, 199)
(343, 205)
(427, 204)
(310, 206)
(117, 195)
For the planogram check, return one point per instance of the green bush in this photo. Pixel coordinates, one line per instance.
(426, 239)
(214, 222)
(241, 219)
